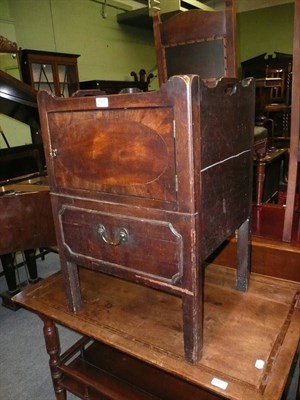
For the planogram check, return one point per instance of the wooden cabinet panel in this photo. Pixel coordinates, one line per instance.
(96, 151)
(113, 242)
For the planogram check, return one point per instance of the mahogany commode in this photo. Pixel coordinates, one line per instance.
(146, 186)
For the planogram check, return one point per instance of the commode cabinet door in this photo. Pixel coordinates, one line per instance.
(127, 152)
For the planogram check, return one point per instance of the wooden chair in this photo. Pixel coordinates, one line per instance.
(203, 43)
(196, 42)
(278, 109)
(277, 93)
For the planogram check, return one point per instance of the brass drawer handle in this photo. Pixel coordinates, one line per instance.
(123, 235)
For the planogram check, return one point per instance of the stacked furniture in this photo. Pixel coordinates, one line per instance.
(146, 186)
(204, 43)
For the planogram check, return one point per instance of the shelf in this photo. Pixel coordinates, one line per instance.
(136, 346)
(100, 369)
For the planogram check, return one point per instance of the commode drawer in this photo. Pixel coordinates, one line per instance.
(122, 245)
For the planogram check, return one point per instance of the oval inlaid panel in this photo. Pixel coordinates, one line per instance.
(109, 152)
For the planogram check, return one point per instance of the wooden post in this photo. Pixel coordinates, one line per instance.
(295, 125)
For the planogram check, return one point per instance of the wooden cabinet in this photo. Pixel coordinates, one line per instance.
(55, 72)
(145, 186)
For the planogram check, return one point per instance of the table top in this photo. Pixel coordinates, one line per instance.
(271, 155)
(242, 331)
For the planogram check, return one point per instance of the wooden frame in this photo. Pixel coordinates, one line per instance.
(295, 129)
(190, 31)
(7, 46)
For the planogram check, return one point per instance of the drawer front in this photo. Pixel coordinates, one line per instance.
(122, 245)
(122, 152)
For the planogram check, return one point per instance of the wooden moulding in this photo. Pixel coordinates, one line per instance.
(6, 46)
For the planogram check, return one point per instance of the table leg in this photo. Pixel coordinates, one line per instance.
(31, 265)
(192, 306)
(260, 180)
(243, 256)
(7, 261)
(53, 349)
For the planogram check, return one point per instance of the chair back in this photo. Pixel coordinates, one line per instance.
(282, 93)
(196, 42)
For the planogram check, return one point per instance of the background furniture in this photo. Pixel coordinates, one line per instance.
(55, 72)
(273, 100)
(196, 42)
(258, 66)
(113, 87)
(269, 171)
(204, 43)
(295, 129)
(146, 186)
(279, 108)
(26, 218)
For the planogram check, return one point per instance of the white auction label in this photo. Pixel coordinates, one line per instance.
(102, 102)
(259, 364)
(219, 383)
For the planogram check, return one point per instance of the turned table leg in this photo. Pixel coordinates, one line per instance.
(53, 349)
(243, 256)
(260, 180)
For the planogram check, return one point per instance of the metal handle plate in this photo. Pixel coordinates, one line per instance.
(121, 236)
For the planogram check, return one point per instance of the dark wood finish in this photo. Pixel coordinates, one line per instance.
(26, 224)
(258, 66)
(18, 100)
(7, 46)
(115, 374)
(273, 103)
(145, 186)
(204, 43)
(196, 42)
(262, 95)
(57, 81)
(21, 162)
(294, 136)
(53, 349)
(26, 218)
(269, 254)
(140, 350)
(268, 171)
(113, 87)
(279, 109)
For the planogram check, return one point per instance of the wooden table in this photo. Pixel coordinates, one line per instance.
(26, 224)
(137, 341)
